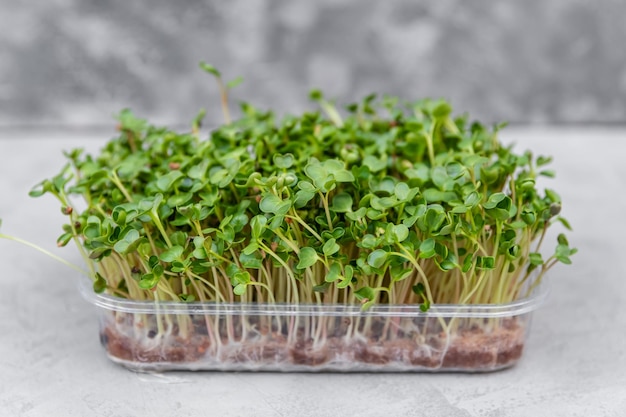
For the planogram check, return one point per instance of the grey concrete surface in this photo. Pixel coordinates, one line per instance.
(51, 363)
(79, 61)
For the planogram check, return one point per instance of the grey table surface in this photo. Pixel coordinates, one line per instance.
(574, 364)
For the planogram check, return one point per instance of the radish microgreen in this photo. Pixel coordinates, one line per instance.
(397, 203)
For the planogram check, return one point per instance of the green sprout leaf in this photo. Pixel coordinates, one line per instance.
(283, 161)
(485, 262)
(100, 284)
(392, 203)
(330, 247)
(377, 258)
(166, 182)
(234, 83)
(342, 203)
(148, 281)
(374, 164)
(172, 254)
(334, 272)
(239, 289)
(271, 203)
(210, 69)
(366, 295)
(307, 257)
(400, 232)
(427, 248)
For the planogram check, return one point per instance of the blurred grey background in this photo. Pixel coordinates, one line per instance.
(77, 62)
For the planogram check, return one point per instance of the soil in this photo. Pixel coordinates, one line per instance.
(469, 349)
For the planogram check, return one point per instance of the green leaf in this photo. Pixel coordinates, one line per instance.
(563, 252)
(153, 261)
(433, 195)
(564, 222)
(535, 258)
(100, 284)
(175, 252)
(198, 171)
(472, 199)
(129, 240)
(234, 83)
(365, 294)
(307, 257)
(553, 196)
(400, 232)
(348, 271)
(375, 164)
(357, 216)
(187, 298)
(494, 200)
(166, 182)
(433, 219)
(200, 253)
(258, 224)
(528, 217)
(334, 272)
(439, 176)
(542, 160)
(459, 209)
(42, 188)
(330, 247)
(64, 239)
(399, 273)
(517, 224)
(442, 110)
(485, 262)
(239, 289)
(302, 198)
(343, 175)
(344, 283)
(368, 242)
(307, 186)
(316, 95)
(271, 203)
(342, 203)
(427, 248)
(377, 258)
(158, 270)
(227, 233)
(251, 248)
(210, 69)
(242, 277)
(419, 289)
(499, 206)
(322, 287)
(317, 173)
(467, 263)
(148, 281)
(283, 161)
(402, 191)
(179, 238)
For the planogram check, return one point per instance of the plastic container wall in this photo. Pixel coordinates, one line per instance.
(162, 336)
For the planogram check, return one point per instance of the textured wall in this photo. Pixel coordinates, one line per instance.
(79, 61)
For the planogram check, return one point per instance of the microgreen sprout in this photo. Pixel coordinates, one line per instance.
(387, 203)
(412, 207)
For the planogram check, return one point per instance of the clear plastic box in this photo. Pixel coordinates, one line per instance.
(165, 336)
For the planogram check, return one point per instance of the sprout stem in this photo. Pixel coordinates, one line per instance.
(48, 253)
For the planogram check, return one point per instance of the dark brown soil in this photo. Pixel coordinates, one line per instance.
(469, 349)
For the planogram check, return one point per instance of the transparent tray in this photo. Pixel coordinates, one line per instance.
(164, 336)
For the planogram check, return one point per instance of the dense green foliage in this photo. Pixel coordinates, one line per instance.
(394, 203)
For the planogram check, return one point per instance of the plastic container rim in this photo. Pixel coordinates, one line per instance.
(515, 308)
